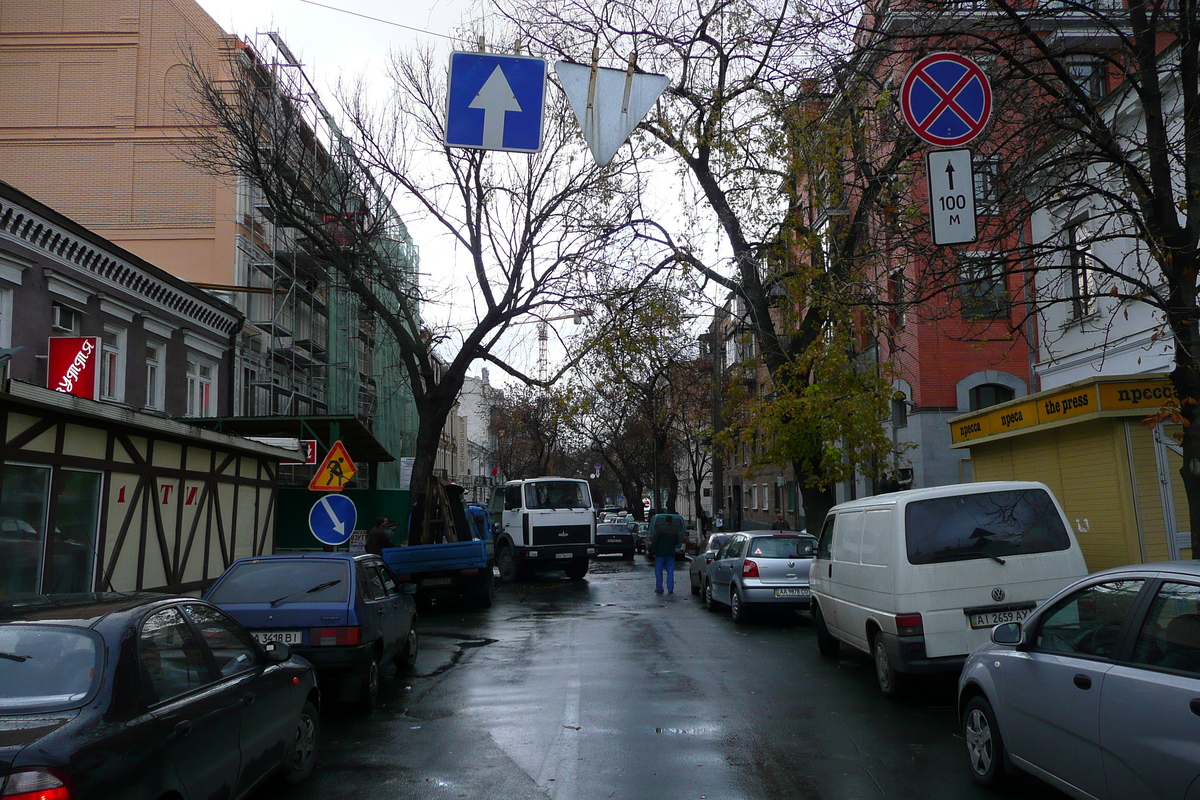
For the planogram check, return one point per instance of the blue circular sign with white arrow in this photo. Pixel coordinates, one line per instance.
(332, 519)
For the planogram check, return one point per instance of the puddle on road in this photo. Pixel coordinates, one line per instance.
(462, 645)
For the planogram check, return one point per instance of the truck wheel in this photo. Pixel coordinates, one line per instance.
(483, 590)
(507, 563)
(576, 569)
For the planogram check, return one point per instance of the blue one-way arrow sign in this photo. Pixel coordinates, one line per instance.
(332, 519)
(495, 102)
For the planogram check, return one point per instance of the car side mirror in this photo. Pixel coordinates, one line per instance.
(410, 588)
(1008, 633)
(277, 652)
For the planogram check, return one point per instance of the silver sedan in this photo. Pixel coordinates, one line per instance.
(1097, 692)
(755, 570)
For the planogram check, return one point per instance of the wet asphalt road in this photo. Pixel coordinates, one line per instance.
(602, 689)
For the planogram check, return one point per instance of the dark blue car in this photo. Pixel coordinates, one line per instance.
(343, 612)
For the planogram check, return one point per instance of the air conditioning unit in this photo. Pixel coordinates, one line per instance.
(63, 318)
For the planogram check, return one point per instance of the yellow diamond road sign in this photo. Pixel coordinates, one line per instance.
(335, 471)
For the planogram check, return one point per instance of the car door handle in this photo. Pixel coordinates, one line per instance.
(1082, 681)
(829, 574)
(1195, 706)
(248, 698)
(183, 728)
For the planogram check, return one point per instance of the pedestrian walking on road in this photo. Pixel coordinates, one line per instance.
(666, 532)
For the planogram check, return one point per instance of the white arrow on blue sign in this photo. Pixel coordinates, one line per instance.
(332, 519)
(495, 102)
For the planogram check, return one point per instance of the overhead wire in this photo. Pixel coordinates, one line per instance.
(378, 19)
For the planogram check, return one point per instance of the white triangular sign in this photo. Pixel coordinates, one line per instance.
(618, 104)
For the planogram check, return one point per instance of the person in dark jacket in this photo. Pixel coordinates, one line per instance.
(780, 524)
(378, 537)
(666, 532)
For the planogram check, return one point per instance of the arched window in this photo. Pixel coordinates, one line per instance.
(989, 394)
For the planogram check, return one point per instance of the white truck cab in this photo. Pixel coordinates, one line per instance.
(543, 523)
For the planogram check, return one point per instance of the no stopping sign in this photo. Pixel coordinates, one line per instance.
(946, 99)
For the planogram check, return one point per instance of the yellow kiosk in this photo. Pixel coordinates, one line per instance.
(1114, 469)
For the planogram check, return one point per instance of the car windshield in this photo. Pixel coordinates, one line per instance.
(46, 668)
(983, 525)
(285, 580)
(557, 494)
(781, 547)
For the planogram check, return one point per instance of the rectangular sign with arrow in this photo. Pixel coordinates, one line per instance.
(951, 196)
(495, 102)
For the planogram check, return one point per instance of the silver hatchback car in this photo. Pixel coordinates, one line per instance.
(1097, 692)
(767, 569)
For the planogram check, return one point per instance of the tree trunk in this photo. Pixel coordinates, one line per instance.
(1187, 385)
(430, 422)
(817, 502)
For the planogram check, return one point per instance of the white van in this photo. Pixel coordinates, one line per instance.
(917, 579)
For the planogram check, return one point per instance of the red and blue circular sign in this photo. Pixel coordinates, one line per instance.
(946, 99)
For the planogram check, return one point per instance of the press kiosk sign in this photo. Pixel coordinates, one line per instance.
(74, 366)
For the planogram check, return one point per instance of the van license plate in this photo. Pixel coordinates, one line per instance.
(990, 619)
(792, 591)
(287, 637)
(563, 555)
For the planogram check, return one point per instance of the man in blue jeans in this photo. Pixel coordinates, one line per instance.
(666, 532)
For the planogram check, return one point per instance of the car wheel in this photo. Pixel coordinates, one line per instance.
(695, 587)
(406, 659)
(484, 588)
(826, 642)
(737, 609)
(507, 563)
(302, 750)
(709, 602)
(889, 680)
(368, 686)
(985, 748)
(576, 571)
(627, 555)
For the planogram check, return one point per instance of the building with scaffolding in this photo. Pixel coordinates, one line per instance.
(110, 142)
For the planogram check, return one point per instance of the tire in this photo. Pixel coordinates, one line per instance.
(406, 659)
(368, 684)
(737, 609)
(302, 750)
(575, 571)
(695, 588)
(484, 588)
(507, 562)
(985, 747)
(709, 602)
(826, 643)
(890, 681)
(627, 555)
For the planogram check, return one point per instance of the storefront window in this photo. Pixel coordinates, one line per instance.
(73, 546)
(23, 502)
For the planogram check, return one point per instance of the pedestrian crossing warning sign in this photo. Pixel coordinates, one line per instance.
(335, 471)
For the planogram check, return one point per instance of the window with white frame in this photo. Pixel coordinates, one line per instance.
(1087, 72)
(112, 364)
(987, 190)
(766, 498)
(754, 495)
(201, 388)
(6, 313)
(1082, 267)
(155, 375)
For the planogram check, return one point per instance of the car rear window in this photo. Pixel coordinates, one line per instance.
(983, 525)
(293, 579)
(45, 668)
(613, 527)
(781, 547)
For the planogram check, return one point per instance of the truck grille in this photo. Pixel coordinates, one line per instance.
(549, 535)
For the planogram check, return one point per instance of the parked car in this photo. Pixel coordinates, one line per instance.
(917, 579)
(754, 571)
(113, 696)
(615, 537)
(639, 540)
(344, 612)
(698, 569)
(1096, 692)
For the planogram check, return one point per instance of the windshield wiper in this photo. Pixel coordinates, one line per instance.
(15, 657)
(316, 588)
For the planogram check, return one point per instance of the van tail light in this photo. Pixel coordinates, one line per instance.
(909, 625)
(749, 569)
(35, 784)
(334, 636)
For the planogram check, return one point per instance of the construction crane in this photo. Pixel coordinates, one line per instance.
(544, 336)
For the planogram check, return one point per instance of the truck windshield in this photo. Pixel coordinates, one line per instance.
(557, 494)
(988, 525)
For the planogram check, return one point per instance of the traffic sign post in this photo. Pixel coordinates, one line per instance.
(495, 102)
(946, 99)
(609, 103)
(332, 519)
(951, 196)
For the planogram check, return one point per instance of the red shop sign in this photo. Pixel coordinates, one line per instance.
(74, 366)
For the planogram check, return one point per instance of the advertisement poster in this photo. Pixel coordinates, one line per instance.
(74, 366)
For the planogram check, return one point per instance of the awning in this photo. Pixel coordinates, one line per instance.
(360, 443)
